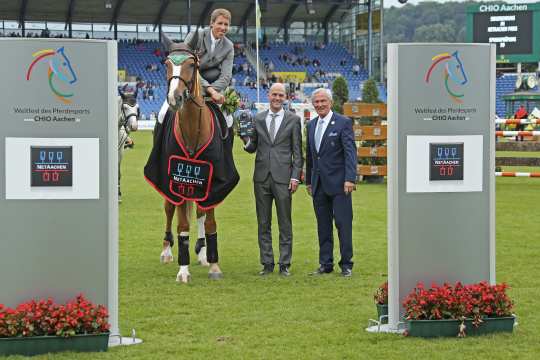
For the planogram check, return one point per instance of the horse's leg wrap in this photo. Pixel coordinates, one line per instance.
(212, 248)
(169, 237)
(183, 249)
(199, 245)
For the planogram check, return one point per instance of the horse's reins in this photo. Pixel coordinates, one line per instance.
(190, 88)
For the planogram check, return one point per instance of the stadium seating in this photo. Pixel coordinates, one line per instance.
(136, 57)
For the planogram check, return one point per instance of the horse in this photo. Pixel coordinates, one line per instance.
(191, 161)
(59, 68)
(128, 115)
(453, 70)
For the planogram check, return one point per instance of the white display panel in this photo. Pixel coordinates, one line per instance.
(85, 169)
(418, 164)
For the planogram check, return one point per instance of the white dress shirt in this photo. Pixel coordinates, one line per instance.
(214, 42)
(326, 120)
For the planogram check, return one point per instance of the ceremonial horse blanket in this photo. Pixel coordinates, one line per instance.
(205, 177)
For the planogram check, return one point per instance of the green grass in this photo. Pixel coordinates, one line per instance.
(518, 154)
(301, 317)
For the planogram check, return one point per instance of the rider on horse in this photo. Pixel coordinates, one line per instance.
(213, 54)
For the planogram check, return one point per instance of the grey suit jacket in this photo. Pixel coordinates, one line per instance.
(216, 67)
(283, 158)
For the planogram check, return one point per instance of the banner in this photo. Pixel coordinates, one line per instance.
(290, 76)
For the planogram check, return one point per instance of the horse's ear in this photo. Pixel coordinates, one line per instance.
(166, 42)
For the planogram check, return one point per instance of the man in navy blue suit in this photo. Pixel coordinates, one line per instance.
(330, 178)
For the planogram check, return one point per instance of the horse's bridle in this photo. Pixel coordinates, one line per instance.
(190, 85)
(189, 91)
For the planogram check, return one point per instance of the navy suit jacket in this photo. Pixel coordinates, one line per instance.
(336, 160)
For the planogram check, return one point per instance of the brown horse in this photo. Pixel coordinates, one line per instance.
(194, 128)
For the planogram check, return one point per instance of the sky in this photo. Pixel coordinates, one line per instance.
(389, 3)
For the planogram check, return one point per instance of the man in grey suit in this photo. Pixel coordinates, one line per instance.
(216, 54)
(277, 139)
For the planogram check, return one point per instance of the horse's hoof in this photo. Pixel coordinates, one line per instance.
(166, 256)
(201, 257)
(183, 278)
(215, 276)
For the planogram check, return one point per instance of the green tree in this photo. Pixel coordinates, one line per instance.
(340, 91)
(370, 93)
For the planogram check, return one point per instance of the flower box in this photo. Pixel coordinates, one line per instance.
(42, 326)
(35, 345)
(458, 310)
(447, 327)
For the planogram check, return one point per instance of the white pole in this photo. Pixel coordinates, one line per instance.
(381, 40)
(258, 28)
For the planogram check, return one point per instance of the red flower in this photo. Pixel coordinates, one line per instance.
(458, 301)
(44, 317)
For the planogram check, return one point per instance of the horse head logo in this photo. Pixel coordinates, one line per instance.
(59, 69)
(453, 71)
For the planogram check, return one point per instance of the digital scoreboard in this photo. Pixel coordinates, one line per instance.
(51, 166)
(513, 28)
(510, 31)
(446, 161)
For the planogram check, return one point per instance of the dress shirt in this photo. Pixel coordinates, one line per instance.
(215, 42)
(326, 120)
(278, 120)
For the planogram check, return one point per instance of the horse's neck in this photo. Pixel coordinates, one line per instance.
(194, 124)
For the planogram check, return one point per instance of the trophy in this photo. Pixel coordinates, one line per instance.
(245, 124)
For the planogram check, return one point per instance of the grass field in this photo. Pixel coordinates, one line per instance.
(301, 317)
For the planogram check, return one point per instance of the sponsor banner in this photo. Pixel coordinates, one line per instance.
(290, 76)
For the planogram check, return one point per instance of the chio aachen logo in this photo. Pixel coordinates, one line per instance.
(59, 70)
(453, 72)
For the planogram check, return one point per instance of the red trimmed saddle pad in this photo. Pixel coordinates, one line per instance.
(189, 178)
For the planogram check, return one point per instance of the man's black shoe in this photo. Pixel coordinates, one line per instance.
(346, 272)
(267, 269)
(322, 270)
(284, 270)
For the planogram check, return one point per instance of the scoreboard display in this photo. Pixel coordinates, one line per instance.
(446, 161)
(513, 28)
(510, 31)
(51, 166)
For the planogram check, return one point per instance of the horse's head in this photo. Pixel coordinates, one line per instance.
(61, 66)
(455, 69)
(129, 111)
(182, 75)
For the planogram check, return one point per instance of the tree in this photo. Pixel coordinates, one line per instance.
(370, 93)
(340, 91)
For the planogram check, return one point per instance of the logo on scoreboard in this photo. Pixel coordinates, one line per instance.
(454, 75)
(51, 166)
(446, 161)
(59, 70)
